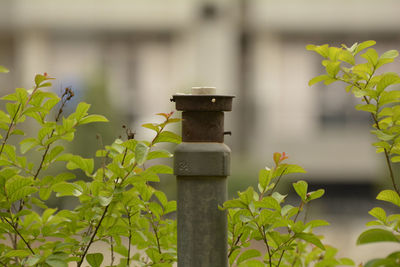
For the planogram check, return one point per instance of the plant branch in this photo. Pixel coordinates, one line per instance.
(10, 127)
(375, 119)
(20, 235)
(93, 236)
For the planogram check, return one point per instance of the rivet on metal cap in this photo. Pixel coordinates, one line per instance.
(204, 91)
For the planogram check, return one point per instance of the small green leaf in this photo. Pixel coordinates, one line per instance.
(3, 69)
(301, 189)
(141, 151)
(363, 45)
(152, 126)
(93, 118)
(372, 56)
(390, 54)
(389, 196)
(81, 110)
(27, 144)
(378, 213)
(376, 235)
(168, 137)
(95, 259)
(387, 79)
(311, 238)
(333, 68)
(366, 107)
(158, 154)
(67, 189)
(315, 194)
(347, 56)
(17, 253)
(323, 50)
(318, 79)
(248, 254)
(39, 78)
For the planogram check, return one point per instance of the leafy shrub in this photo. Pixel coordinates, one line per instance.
(117, 204)
(263, 216)
(380, 99)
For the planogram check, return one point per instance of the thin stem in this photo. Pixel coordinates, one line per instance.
(129, 238)
(20, 235)
(93, 236)
(10, 127)
(155, 229)
(112, 251)
(375, 119)
(290, 231)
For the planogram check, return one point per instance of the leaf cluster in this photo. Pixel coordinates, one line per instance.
(381, 99)
(117, 203)
(263, 216)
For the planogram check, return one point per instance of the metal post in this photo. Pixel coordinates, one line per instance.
(202, 164)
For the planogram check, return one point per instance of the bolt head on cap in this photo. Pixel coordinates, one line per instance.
(204, 91)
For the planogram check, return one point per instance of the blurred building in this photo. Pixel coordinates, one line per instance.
(146, 50)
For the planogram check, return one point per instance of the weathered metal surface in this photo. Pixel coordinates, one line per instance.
(202, 227)
(202, 164)
(202, 159)
(203, 102)
(204, 126)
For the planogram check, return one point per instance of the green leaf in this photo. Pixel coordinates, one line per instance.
(390, 54)
(364, 45)
(389, 196)
(77, 162)
(311, 238)
(141, 151)
(366, 107)
(81, 110)
(264, 178)
(17, 253)
(67, 189)
(248, 254)
(376, 235)
(168, 137)
(54, 262)
(383, 136)
(152, 126)
(318, 79)
(387, 79)
(14, 184)
(323, 50)
(372, 56)
(3, 69)
(378, 213)
(389, 97)
(333, 68)
(301, 189)
(94, 259)
(27, 144)
(93, 118)
(160, 169)
(54, 153)
(315, 194)
(347, 56)
(316, 223)
(39, 78)
(159, 154)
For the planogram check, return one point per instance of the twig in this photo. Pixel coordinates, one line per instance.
(93, 235)
(20, 235)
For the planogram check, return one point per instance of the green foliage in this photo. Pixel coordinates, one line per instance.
(381, 96)
(117, 204)
(263, 216)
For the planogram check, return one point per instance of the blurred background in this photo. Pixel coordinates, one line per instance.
(127, 57)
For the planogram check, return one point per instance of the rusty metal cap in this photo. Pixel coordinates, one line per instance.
(203, 99)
